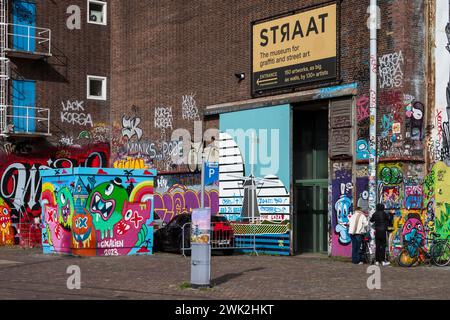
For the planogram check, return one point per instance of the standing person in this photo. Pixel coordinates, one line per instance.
(382, 220)
(357, 227)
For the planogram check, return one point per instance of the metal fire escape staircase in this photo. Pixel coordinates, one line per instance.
(34, 121)
(4, 66)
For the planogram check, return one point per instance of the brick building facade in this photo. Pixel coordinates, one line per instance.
(171, 65)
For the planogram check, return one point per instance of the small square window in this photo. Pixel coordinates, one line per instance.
(96, 88)
(97, 12)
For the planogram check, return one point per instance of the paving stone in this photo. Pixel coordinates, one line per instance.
(164, 276)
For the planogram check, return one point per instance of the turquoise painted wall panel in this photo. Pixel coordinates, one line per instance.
(271, 118)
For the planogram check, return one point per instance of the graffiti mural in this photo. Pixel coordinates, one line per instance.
(390, 178)
(362, 193)
(342, 210)
(391, 70)
(180, 199)
(101, 212)
(6, 229)
(268, 189)
(441, 197)
(440, 134)
(21, 183)
(73, 112)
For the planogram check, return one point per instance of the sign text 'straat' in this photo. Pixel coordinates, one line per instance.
(289, 31)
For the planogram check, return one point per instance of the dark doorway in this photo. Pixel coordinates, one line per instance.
(311, 178)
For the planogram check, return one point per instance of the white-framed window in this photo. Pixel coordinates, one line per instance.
(96, 87)
(97, 12)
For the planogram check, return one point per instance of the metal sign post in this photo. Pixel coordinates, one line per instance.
(200, 241)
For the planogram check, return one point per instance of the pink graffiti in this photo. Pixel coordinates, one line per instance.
(179, 199)
(363, 109)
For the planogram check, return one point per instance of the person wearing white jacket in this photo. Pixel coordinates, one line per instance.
(357, 227)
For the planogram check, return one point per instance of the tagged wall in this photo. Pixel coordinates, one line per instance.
(177, 194)
(97, 212)
(342, 209)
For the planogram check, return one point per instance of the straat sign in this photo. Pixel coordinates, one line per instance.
(296, 49)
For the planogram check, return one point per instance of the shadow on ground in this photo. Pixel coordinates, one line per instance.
(230, 276)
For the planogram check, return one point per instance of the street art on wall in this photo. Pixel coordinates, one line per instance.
(268, 190)
(413, 230)
(362, 193)
(402, 125)
(74, 113)
(439, 144)
(103, 212)
(363, 122)
(342, 210)
(441, 197)
(391, 70)
(272, 196)
(21, 183)
(179, 199)
(6, 230)
(390, 179)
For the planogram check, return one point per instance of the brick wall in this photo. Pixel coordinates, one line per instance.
(62, 77)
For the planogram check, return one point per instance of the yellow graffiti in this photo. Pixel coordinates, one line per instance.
(131, 163)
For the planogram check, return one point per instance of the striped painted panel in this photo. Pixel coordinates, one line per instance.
(268, 244)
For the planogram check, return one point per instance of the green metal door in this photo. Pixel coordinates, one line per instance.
(312, 213)
(311, 181)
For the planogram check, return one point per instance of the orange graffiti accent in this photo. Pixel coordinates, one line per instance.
(131, 163)
(6, 230)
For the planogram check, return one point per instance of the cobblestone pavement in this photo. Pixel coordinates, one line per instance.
(28, 274)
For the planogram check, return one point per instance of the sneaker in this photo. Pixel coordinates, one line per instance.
(361, 263)
(377, 263)
(386, 263)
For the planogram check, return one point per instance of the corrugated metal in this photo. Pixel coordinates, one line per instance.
(341, 128)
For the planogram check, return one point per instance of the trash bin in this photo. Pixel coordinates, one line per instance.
(97, 211)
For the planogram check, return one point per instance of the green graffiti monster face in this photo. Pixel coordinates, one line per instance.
(66, 207)
(105, 204)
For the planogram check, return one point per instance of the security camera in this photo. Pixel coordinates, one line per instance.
(240, 76)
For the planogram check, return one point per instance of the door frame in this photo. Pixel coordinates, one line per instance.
(28, 123)
(323, 185)
(24, 34)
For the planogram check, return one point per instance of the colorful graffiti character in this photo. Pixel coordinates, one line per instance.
(362, 149)
(57, 236)
(106, 202)
(6, 230)
(83, 234)
(66, 207)
(413, 232)
(343, 213)
(131, 231)
(82, 228)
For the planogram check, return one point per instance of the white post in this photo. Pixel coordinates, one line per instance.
(202, 197)
(373, 25)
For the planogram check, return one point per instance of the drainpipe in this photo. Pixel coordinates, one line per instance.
(373, 25)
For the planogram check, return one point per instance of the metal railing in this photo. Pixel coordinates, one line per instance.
(4, 69)
(220, 239)
(24, 120)
(34, 39)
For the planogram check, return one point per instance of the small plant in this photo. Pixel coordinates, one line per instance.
(185, 285)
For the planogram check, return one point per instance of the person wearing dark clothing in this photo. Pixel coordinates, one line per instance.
(382, 221)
